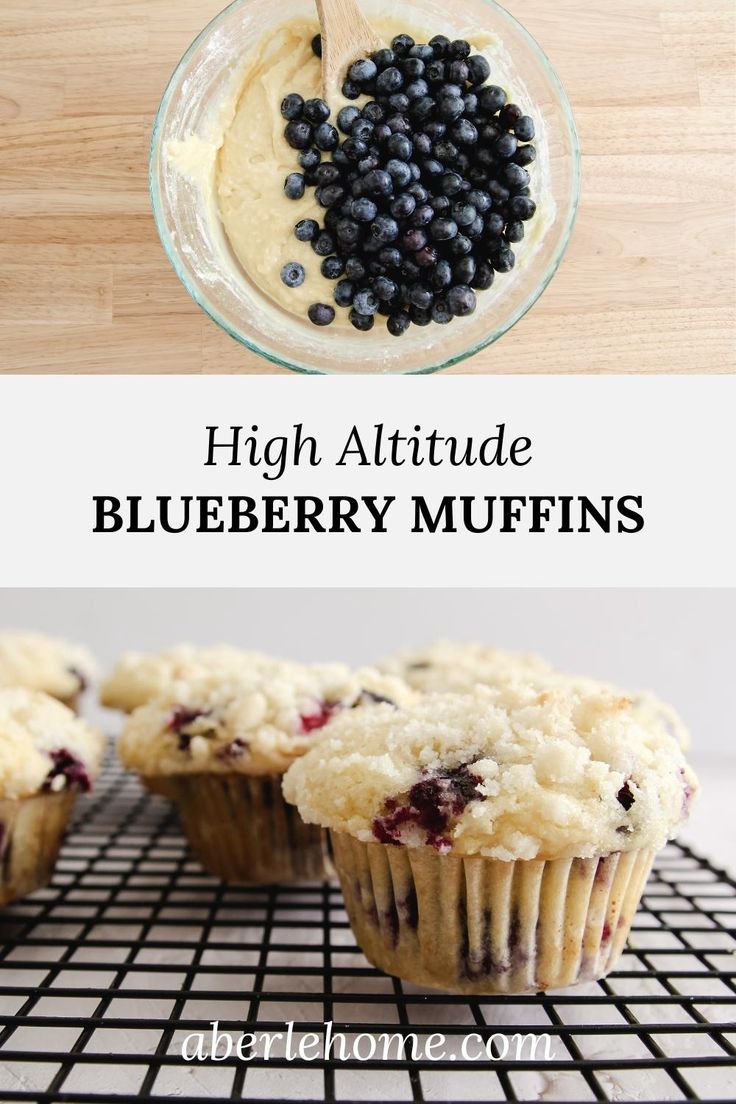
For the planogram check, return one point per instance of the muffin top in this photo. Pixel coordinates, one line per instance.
(510, 773)
(138, 678)
(255, 724)
(447, 667)
(44, 746)
(38, 662)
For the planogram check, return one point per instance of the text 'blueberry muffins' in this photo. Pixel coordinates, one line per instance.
(448, 667)
(496, 841)
(37, 662)
(218, 748)
(47, 756)
(139, 677)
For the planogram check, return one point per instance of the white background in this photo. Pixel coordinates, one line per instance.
(63, 440)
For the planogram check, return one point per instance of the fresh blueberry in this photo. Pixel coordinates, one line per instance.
(451, 108)
(398, 324)
(332, 268)
(465, 133)
(400, 172)
(364, 210)
(306, 230)
(362, 322)
(461, 300)
(298, 134)
(425, 53)
(384, 59)
(385, 289)
(344, 293)
(427, 257)
(317, 45)
(390, 257)
(402, 44)
(355, 269)
(423, 215)
(412, 67)
(324, 244)
(384, 230)
(522, 208)
(464, 270)
(399, 103)
(326, 137)
(514, 232)
(440, 45)
(293, 274)
(363, 71)
(355, 149)
(441, 277)
(503, 260)
(346, 118)
(400, 146)
(491, 99)
(292, 107)
(459, 49)
(484, 276)
(379, 183)
(366, 302)
(524, 129)
(328, 173)
(443, 229)
(479, 69)
(294, 186)
(460, 246)
(321, 314)
(511, 115)
(374, 112)
(421, 296)
(515, 177)
(310, 159)
(414, 240)
(525, 155)
(351, 90)
(316, 111)
(331, 195)
(480, 200)
(403, 206)
(494, 225)
(389, 81)
(441, 313)
(459, 72)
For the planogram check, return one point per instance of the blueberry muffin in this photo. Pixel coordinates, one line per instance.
(456, 667)
(47, 756)
(139, 677)
(37, 662)
(496, 841)
(218, 748)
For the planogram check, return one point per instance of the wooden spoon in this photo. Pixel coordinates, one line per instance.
(346, 36)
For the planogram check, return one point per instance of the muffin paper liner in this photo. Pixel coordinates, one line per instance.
(31, 834)
(467, 924)
(242, 830)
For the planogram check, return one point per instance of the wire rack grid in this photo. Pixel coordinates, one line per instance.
(133, 947)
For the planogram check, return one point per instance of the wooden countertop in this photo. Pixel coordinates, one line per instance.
(647, 286)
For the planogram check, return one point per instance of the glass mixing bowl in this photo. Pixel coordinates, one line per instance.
(197, 247)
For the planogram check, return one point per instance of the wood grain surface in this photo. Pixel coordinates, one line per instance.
(647, 286)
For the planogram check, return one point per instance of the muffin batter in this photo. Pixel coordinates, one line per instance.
(245, 160)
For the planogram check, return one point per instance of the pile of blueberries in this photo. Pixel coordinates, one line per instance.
(426, 192)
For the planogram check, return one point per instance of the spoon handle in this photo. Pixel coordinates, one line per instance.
(346, 36)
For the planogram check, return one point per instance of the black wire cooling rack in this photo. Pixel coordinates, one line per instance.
(133, 948)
